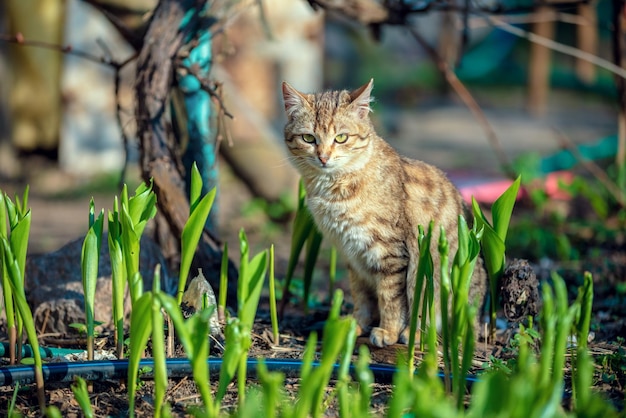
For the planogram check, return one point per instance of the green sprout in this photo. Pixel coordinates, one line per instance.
(304, 232)
(493, 241)
(16, 282)
(135, 213)
(81, 394)
(147, 320)
(18, 218)
(90, 257)
(199, 208)
(272, 296)
(118, 276)
(193, 334)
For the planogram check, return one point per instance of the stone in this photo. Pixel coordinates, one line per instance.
(54, 285)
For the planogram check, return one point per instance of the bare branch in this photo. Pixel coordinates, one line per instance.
(469, 101)
(556, 46)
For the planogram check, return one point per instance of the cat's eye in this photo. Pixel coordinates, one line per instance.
(341, 138)
(308, 138)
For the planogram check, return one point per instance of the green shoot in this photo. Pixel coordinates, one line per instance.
(221, 306)
(337, 336)
(81, 394)
(272, 288)
(158, 346)
(271, 384)
(199, 208)
(135, 213)
(304, 231)
(424, 270)
(250, 283)
(140, 330)
(90, 257)
(118, 276)
(9, 305)
(493, 241)
(17, 215)
(16, 281)
(193, 334)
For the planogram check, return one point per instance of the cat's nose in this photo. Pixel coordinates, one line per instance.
(323, 158)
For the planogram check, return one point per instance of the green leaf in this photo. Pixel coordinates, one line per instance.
(302, 225)
(19, 240)
(232, 354)
(3, 216)
(191, 236)
(140, 330)
(502, 209)
(195, 188)
(81, 394)
(255, 276)
(158, 347)
(142, 206)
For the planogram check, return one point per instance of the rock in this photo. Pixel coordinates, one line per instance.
(54, 285)
(519, 291)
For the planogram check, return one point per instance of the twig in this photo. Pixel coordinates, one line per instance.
(206, 86)
(556, 46)
(551, 16)
(19, 39)
(594, 169)
(469, 101)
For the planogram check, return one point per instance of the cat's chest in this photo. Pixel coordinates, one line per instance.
(350, 220)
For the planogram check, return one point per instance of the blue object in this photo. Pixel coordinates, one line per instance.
(564, 160)
(201, 146)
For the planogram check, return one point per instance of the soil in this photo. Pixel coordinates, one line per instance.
(109, 398)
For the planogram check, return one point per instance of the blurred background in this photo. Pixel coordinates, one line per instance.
(463, 91)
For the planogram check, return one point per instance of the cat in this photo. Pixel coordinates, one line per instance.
(369, 201)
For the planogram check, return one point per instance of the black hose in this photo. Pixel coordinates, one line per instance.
(176, 367)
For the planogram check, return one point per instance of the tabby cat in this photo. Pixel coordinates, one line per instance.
(369, 201)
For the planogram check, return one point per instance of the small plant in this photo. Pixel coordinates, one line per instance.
(423, 297)
(17, 217)
(199, 209)
(193, 334)
(457, 322)
(339, 336)
(493, 241)
(147, 320)
(81, 394)
(304, 233)
(90, 257)
(535, 386)
(118, 276)
(135, 212)
(249, 286)
(272, 296)
(13, 248)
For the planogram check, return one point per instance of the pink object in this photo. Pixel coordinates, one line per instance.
(487, 191)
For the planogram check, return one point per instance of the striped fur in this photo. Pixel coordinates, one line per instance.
(369, 201)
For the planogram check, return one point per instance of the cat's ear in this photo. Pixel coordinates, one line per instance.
(293, 99)
(361, 99)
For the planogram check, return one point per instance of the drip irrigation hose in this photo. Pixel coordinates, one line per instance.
(45, 352)
(176, 367)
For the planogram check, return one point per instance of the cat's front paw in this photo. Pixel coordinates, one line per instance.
(380, 337)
